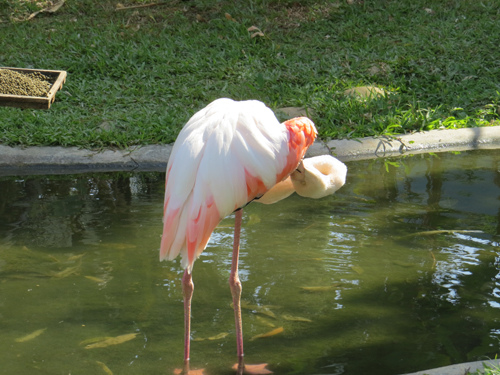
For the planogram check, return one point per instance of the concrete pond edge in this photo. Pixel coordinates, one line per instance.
(460, 369)
(21, 161)
(61, 160)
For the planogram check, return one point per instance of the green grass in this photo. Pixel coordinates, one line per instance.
(136, 76)
(488, 370)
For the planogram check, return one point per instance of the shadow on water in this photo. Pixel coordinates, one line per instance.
(397, 272)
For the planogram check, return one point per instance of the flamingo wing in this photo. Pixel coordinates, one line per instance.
(226, 155)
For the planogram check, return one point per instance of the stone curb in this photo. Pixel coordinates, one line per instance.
(59, 160)
(421, 142)
(459, 369)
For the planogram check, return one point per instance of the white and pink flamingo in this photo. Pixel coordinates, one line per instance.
(227, 155)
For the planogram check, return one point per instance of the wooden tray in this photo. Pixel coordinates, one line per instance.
(36, 102)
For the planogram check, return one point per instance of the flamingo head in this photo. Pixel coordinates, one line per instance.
(319, 176)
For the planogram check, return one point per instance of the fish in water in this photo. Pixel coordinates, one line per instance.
(105, 368)
(265, 321)
(212, 338)
(296, 318)
(96, 279)
(264, 310)
(31, 336)
(274, 332)
(66, 272)
(112, 341)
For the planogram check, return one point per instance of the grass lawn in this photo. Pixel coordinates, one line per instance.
(136, 75)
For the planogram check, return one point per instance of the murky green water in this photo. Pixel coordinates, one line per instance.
(397, 272)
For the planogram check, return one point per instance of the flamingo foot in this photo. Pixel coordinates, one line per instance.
(200, 371)
(259, 369)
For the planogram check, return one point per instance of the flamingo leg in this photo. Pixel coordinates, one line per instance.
(235, 285)
(187, 291)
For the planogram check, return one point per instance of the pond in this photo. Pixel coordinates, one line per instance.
(397, 272)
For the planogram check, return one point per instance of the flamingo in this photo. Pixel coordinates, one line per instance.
(227, 155)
